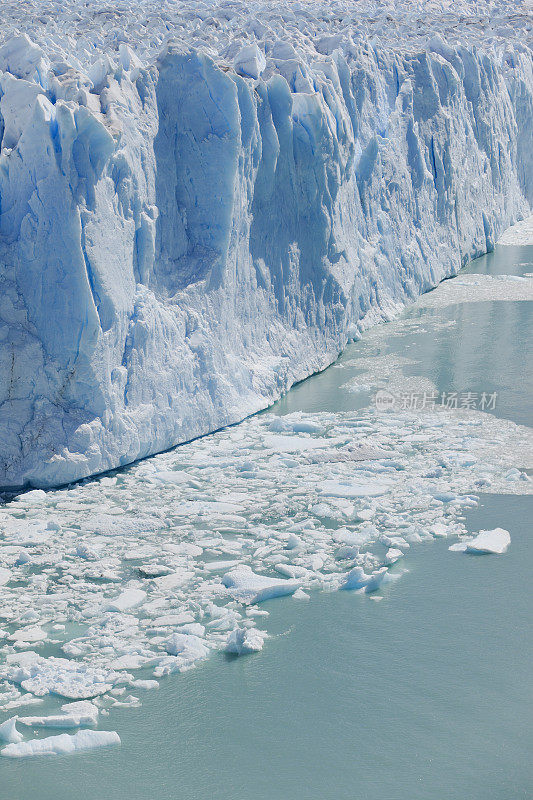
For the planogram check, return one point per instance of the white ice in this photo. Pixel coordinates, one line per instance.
(74, 715)
(8, 731)
(64, 744)
(185, 563)
(520, 234)
(496, 541)
(245, 640)
(203, 202)
(246, 586)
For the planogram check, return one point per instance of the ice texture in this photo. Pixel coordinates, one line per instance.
(206, 554)
(9, 732)
(5, 576)
(246, 586)
(245, 640)
(200, 203)
(73, 716)
(520, 234)
(64, 744)
(496, 541)
(60, 676)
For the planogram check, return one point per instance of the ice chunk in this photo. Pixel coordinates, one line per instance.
(86, 552)
(245, 640)
(5, 576)
(9, 732)
(167, 583)
(67, 678)
(293, 542)
(131, 598)
(495, 541)
(368, 488)
(145, 684)
(250, 61)
(358, 579)
(30, 634)
(153, 570)
(188, 646)
(74, 715)
(246, 586)
(29, 498)
(393, 554)
(64, 744)
(292, 444)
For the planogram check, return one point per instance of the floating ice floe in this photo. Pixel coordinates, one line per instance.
(496, 541)
(184, 583)
(246, 586)
(479, 289)
(74, 715)
(245, 640)
(126, 600)
(9, 732)
(360, 488)
(64, 744)
(66, 678)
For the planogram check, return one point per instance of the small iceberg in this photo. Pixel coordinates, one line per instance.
(9, 732)
(247, 587)
(496, 541)
(64, 744)
(245, 640)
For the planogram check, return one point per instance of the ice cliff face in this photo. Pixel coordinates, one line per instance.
(186, 232)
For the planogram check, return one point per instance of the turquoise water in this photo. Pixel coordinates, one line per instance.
(488, 348)
(425, 695)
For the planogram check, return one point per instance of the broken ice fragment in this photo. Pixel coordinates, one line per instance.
(245, 640)
(246, 586)
(250, 61)
(64, 744)
(496, 541)
(9, 732)
(127, 599)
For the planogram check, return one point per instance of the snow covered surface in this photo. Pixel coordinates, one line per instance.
(202, 202)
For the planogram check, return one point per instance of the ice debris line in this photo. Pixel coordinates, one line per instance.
(200, 202)
(105, 592)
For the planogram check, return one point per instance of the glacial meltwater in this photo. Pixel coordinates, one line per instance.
(420, 690)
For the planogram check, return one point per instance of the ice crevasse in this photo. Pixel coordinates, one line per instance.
(185, 234)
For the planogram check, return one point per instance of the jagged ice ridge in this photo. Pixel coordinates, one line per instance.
(201, 203)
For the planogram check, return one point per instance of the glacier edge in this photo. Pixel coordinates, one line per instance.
(181, 242)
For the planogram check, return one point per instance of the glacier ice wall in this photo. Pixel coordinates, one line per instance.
(184, 237)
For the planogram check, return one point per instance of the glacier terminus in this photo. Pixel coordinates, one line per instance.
(202, 202)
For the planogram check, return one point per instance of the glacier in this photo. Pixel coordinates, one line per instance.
(202, 202)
